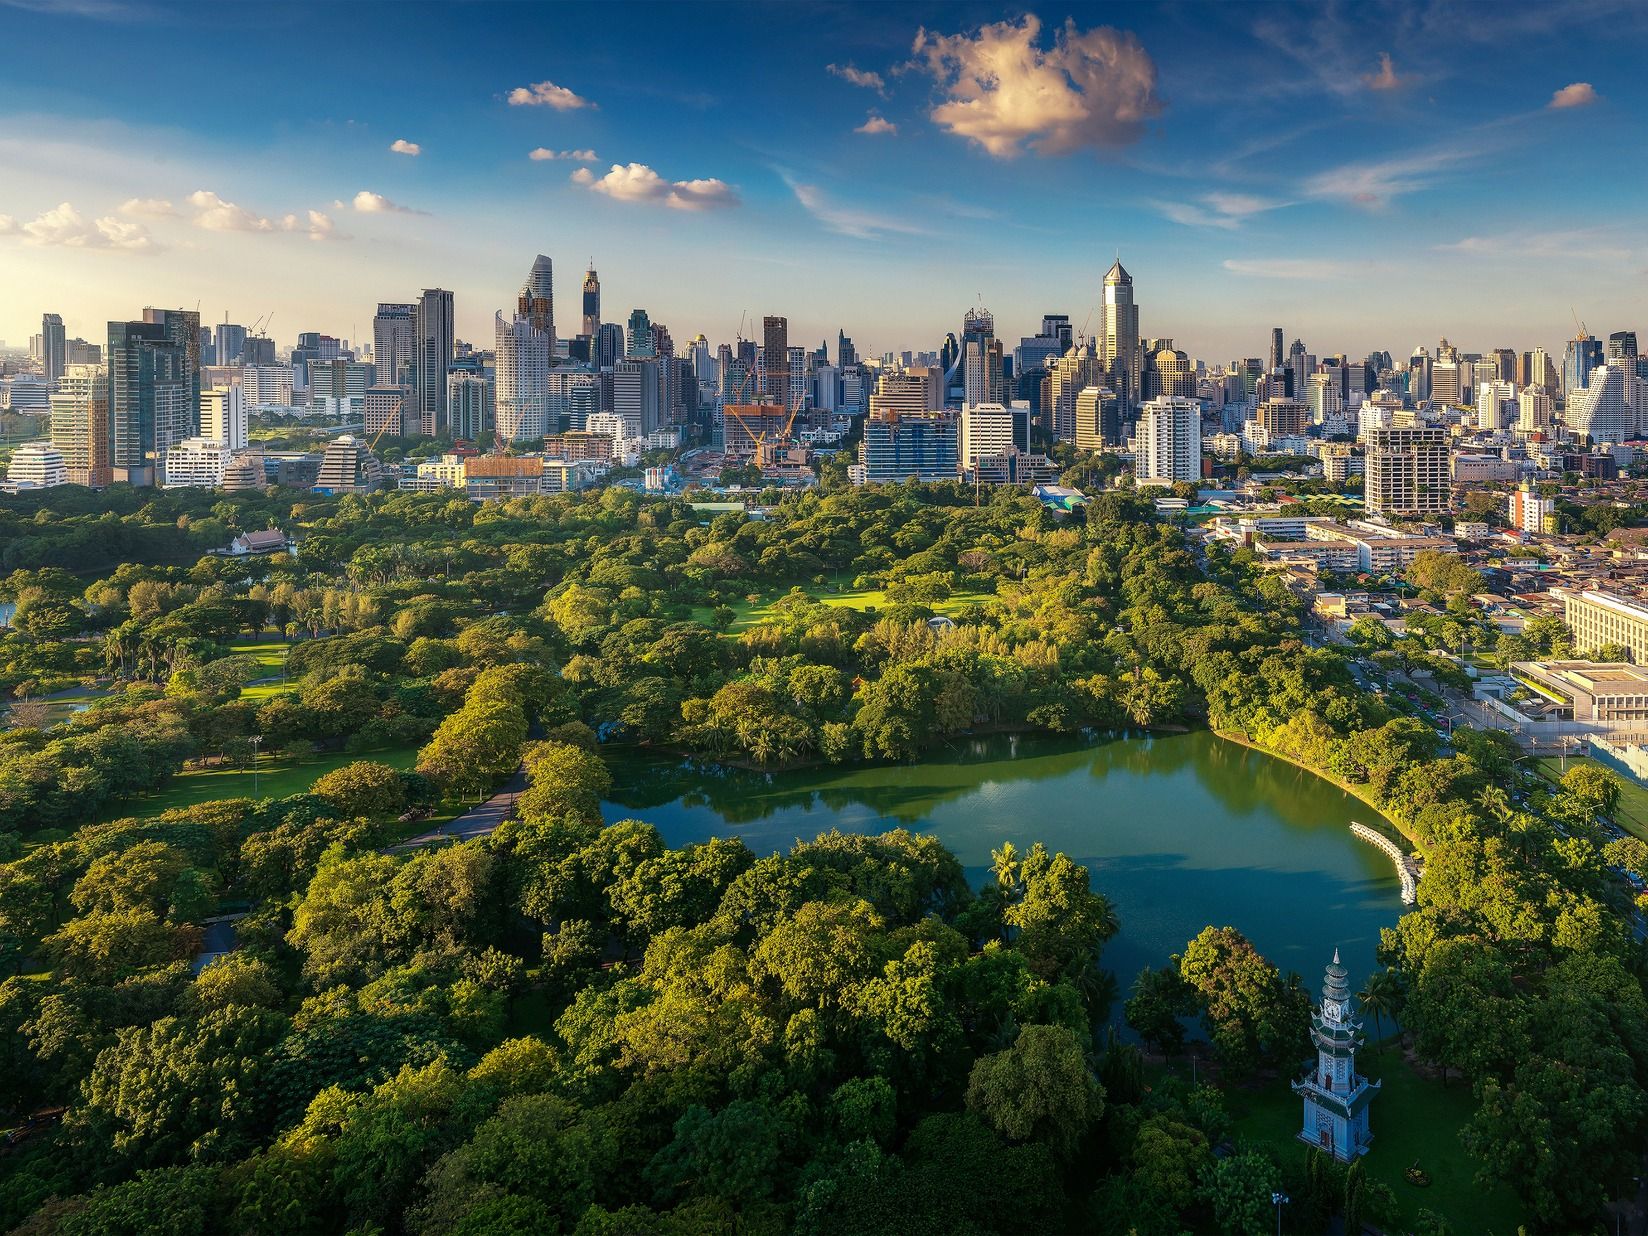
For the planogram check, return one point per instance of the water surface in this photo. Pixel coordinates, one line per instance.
(1180, 831)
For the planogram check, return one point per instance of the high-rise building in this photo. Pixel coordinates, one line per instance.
(1447, 384)
(981, 371)
(469, 404)
(267, 385)
(845, 353)
(775, 344)
(537, 300)
(921, 448)
(1407, 471)
(392, 344)
(223, 417)
(522, 363)
(592, 303)
(1622, 347)
(992, 429)
(636, 390)
(53, 345)
(608, 346)
(1612, 407)
(1098, 419)
(641, 344)
(434, 342)
(1528, 510)
(1071, 374)
(1119, 343)
(1583, 355)
(1277, 360)
(1169, 441)
(901, 394)
(1282, 418)
(182, 327)
(80, 424)
(197, 463)
(1496, 406)
(1535, 408)
(384, 410)
(152, 404)
(228, 343)
(1168, 372)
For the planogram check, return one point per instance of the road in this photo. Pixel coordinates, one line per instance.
(478, 821)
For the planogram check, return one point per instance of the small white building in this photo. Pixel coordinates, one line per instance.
(36, 465)
(196, 463)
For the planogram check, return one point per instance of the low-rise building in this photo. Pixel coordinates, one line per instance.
(34, 465)
(1609, 692)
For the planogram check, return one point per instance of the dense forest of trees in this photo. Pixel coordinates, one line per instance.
(565, 1026)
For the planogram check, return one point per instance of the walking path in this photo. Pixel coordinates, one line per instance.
(477, 821)
(1406, 869)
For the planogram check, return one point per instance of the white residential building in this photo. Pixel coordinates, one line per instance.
(522, 383)
(223, 416)
(34, 465)
(266, 385)
(196, 463)
(1612, 406)
(986, 429)
(1169, 441)
(1496, 405)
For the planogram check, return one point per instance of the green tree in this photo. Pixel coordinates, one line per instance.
(1039, 1089)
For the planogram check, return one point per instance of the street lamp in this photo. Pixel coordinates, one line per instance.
(257, 741)
(1279, 1200)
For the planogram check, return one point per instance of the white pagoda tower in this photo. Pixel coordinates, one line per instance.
(1336, 1097)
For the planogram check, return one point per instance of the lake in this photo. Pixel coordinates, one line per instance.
(1179, 831)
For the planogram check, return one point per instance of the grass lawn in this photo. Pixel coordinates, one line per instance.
(1632, 815)
(267, 653)
(1414, 1120)
(753, 614)
(264, 690)
(277, 777)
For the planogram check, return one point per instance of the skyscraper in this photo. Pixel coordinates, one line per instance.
(228, 343)
(80, 424)
(592, 303)
(1276, 361)
(845, 353)
(775, 348)
(641, 344)
(607, 348)
(1583, 355)
(53, 346)
(537, 301)
(1622, 347)
(182, 327)
(149, 399)
(1119, 345)
(392, 346)
(433, 340)
(1169, 440)
(522, 396)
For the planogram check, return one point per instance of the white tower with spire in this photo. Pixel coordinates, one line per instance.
(1336, 1097)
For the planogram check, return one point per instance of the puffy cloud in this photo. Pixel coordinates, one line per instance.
(1577, 94)
(576, 156)
(874, 124)
(216, 215)
(63, 226)
(636, 182)
(1386, 78)
(369, 203)
(1004, 91)
(311, 223)
(401, 146)
(858, 77)
(547, 94)
(153, 207)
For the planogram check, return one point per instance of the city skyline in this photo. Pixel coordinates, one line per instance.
(1369, 179)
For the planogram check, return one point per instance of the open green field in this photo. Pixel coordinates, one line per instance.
(1632, 815)
(277, 777)
(1414, 1121)
(267, 653)
(752, 614)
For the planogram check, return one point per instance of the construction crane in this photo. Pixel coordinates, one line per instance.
(1583, 333)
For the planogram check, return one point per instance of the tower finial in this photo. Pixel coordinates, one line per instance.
(1335, 956)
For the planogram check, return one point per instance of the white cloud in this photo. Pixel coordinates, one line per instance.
(312, 223)
(63, 226)
(846, 220)
(1285, 268)
(369, 203)
(1374, 185)
(1004, 91)
(1603, 244)
(858, 77)
(216, 215)
(547, 94)
(544, 153)
(401, 146)
(1386, 78)
(152, 207)
(636, 182)
(1577, 94)
(874, 124)
(1220, 210)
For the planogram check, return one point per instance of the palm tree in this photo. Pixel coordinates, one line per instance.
(1381, 995)
(1005, 864)
(1495, 802)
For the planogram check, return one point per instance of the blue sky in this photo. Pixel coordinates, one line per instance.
(1362, 175)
